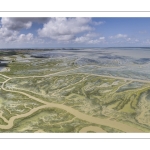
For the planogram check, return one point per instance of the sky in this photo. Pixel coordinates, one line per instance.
(74, 32)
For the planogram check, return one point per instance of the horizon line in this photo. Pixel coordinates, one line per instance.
(76, 47)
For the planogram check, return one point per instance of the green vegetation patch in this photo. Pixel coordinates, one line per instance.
(52, 120)
(35, 66)
(2, 79)
(133, 85)
(2, 122)
(12, 104)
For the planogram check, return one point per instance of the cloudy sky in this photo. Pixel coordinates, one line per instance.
(73, 32)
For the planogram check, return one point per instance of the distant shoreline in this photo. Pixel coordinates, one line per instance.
(63, 48)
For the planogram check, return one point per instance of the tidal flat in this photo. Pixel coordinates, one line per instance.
(75, 90)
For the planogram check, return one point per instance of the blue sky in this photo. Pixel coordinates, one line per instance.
(74, 32)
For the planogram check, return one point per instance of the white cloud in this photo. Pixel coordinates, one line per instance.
(93, 42)
(9, 30)
(7, 35)
(89, 38)
(91, 34)
(132, 40)
(118, 36)
(85, 38)
(25, 38)
(4, 32)
(64, 28)
(101, 38)
(63, 37)
(81, 39)
(96, 41)
(128, 39)
(15, 23)
(121, 35)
